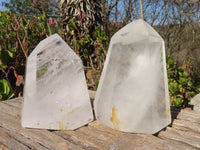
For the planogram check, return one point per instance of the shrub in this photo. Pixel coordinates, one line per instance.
(181, 89)
(18, 37)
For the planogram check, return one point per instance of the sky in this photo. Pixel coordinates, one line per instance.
(1, 1)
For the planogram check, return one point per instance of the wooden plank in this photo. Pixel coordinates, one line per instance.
(187, 126)
(120, 140)
(11, 143)
(45, 138)
(76, 137)
(3, 147)
(11, 139)
(100, 137)
(80, 139)
(21, 139)
(138, 141)
(115, 139)
(9, 109)
(15, 102)
(184, 133)
(189, 115)
(182, 136)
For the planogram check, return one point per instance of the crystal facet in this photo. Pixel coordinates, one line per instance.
(55, 92)
(132, 95)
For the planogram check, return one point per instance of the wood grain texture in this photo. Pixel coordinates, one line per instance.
(184, 133)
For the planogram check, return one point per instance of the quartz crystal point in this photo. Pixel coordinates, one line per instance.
(132, 95)
(55, 92)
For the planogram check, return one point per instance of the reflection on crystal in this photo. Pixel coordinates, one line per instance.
(55, 93)
(133, 91)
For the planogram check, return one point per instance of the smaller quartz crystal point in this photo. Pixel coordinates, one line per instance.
(132, 95)
(55, 92)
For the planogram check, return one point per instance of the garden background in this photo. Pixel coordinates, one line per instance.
(87, 27)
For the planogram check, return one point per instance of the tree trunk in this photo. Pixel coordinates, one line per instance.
(141, 10)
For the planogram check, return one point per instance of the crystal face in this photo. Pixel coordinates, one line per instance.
(55, 92)
(132, 95)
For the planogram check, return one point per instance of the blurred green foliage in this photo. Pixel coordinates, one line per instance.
(91, 48)
(18, 37)
(181, 89)
(5, 92)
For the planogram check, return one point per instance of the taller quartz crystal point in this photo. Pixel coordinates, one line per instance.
(132, 95)
(55, 92)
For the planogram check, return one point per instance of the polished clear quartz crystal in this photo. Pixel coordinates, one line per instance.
(55, 92)
(132, 95)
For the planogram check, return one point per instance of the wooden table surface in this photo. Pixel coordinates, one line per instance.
(183, 134)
